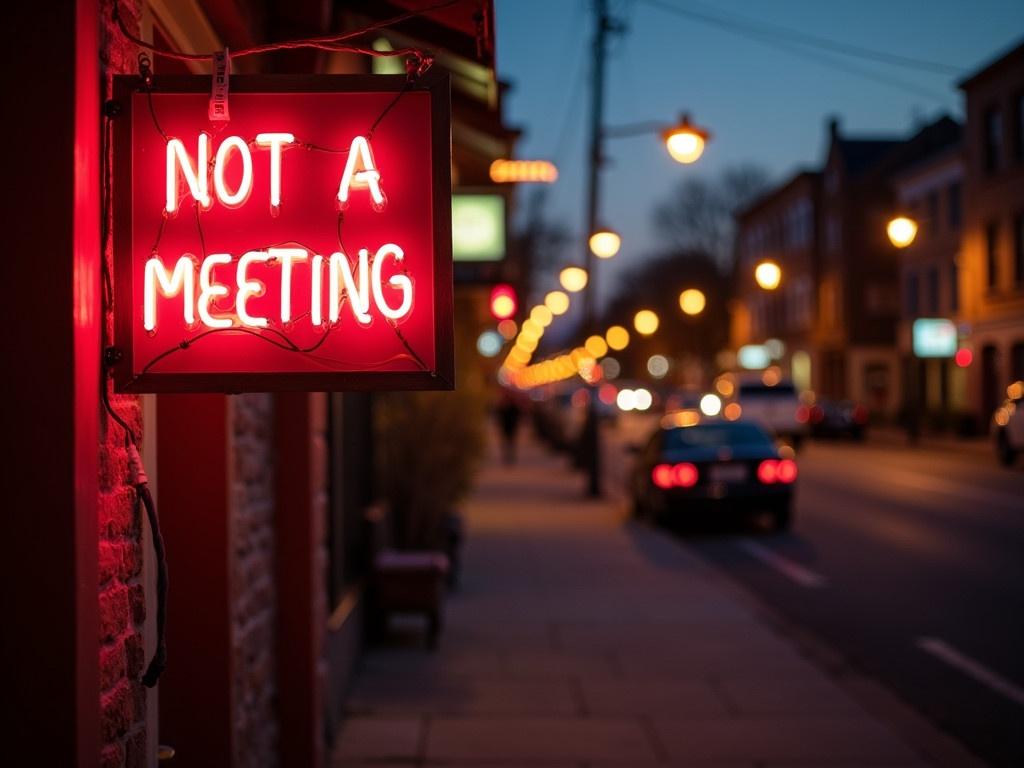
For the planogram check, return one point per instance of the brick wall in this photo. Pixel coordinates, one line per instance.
(122, 605)
(253, 588)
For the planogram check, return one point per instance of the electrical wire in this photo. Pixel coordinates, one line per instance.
(333, 43)
(748, 27)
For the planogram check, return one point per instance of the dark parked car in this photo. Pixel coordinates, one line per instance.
(837, 418)
(721, 465)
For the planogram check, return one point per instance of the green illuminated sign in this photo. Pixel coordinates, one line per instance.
(478, 227)
(934, 337)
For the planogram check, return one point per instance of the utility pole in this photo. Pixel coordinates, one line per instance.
(605, 26)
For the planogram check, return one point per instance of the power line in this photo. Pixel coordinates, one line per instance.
(764, 30)
(772, 40)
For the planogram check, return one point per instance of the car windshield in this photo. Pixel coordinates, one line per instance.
(712, 435)
(756, 389)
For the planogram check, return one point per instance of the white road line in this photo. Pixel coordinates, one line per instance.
(971, 668)
(795, 572)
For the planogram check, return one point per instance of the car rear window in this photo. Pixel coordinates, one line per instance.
(756, 389)
(709, 435)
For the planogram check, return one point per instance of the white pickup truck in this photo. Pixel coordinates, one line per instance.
(776, 407)
(1008, 425)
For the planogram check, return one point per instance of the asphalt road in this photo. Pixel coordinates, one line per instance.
(910, 563)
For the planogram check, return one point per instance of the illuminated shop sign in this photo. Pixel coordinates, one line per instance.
(934, 337)
(478, 227)
(305, 244)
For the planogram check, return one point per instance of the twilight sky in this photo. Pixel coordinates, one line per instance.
(762, 103)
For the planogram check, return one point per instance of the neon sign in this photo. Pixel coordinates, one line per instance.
(305, 244)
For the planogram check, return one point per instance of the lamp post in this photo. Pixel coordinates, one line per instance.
(605, 26)
(684, 142)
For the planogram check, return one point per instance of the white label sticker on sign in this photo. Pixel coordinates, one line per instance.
(219, 95)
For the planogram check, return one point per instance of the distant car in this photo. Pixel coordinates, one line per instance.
(836, 418)
(776, 407)
(1008, 425)
(725, 465)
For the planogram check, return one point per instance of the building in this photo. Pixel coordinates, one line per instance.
(782, 226)
(992, 261)
(262, 497)
(931, 193)
(858, 289)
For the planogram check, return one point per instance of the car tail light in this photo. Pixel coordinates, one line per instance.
(767, 471)
(684, 475)
(662, 475)
(860, 414)
(785, 471)
(667, 476)
(802, 414)
(772, 471)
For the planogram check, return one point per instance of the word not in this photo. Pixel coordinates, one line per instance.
(359, 285)
(360, 172)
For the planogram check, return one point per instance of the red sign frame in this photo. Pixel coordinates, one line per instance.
(165, 353)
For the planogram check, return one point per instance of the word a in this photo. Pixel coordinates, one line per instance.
(360, 172)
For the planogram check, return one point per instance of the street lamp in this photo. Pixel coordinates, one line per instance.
(692, 301)
(605, 243)
(901, 230)
(768, 274)
(685, 142)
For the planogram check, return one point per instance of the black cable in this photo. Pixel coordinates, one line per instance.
(158, 663)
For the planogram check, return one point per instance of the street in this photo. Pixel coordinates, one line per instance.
(908, 563)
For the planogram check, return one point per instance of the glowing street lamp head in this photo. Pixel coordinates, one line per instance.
(605, 243)
(902, 231)
(768, 275)
(646, 322)
(685, 141)
(573, 279)
(692, 301)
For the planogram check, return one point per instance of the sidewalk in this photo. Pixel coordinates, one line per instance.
(577, 640)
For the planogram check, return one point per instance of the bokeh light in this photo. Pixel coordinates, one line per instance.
(646, 322)
(692, 301)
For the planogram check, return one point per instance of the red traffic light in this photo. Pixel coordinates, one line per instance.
(503, 302)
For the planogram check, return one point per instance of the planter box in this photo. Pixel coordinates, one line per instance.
(410, 582)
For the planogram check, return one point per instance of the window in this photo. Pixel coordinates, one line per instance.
(933, 290)
(913, 299)
(953, 203)
(1018, 249)
(1019, 139)
(993, 122)
(954, 287)
(1017, 361)
(933, 213)
(992, 254)
(833, 233)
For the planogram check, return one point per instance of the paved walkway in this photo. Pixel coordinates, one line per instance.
(577, 639)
